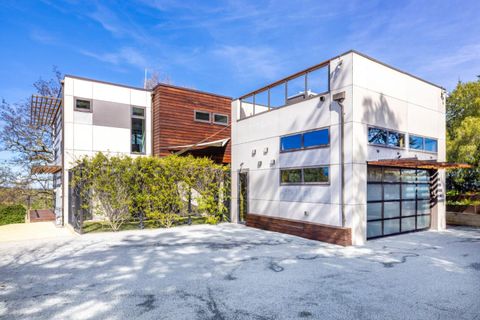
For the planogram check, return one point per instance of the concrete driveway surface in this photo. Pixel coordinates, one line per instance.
(233, 272)
(33, 231)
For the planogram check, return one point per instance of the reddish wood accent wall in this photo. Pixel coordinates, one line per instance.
(309, 230)
(173, 121)
(41, 215)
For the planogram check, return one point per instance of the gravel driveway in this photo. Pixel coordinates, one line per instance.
(233, 272)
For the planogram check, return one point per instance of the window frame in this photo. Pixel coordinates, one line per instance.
(89, 110)
(302, 176)
(423, 144)
(302, 148)
(144, 118)
(388, 131)
(199, 120)
(220, 123)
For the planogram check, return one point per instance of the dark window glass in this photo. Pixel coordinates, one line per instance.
(408, 175)
(377, 136)
(391, 175)
(430, 145)
(374, 229)
(291, 142)
(138, 135)
(416, 142)
(291, 176)
(315, 138)
(374, 211)
(391, 191)
(408, 224)
(391, 226)
(396, 139)
(374, 174)
(391, 209)
(82, 104)
(202, 116)
(312, 175)
(220, 118)
(139, 112)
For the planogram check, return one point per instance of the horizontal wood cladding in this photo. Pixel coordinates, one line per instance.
(173, 121)
(304, 229)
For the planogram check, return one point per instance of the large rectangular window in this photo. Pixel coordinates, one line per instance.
(423, 144)
(309, 175)
(138, 130)
(387, 138)
(305, 140)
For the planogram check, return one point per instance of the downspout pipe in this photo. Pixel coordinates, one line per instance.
(339, 98)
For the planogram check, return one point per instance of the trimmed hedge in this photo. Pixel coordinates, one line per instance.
(12, 214)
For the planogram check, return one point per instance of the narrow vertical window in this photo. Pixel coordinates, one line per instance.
(138, 130)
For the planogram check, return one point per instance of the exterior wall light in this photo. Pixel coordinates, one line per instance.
(265, 151)
(259, 164)
(254, 152)
(272, 162)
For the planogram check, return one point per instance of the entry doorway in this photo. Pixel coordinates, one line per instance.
(242, 196)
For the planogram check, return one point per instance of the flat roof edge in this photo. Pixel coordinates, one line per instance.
(325, 62)
(191, 90)
(106, 82)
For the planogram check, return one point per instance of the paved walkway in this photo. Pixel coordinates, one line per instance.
(234, 272)
(32, 231)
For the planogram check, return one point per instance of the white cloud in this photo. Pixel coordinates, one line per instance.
(260, 62)
(124, 55)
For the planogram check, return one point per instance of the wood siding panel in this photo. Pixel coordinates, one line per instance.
(173, 121)
(309, 230)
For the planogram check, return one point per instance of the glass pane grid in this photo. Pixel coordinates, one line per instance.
(398, 201)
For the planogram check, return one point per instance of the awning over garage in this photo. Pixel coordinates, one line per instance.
(418, 164)
(43, 110)
(46, 169)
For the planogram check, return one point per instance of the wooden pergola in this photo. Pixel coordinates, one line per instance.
(415, 163)
(46, 169)
(43, 110)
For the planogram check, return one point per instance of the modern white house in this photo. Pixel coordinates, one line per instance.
(345, 151)
(92, 116)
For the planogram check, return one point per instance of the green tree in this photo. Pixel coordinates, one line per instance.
(463, 136)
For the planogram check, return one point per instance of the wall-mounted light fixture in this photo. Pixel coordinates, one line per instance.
(272, 162)
(265, 150)
(259, 164)
(254, 152)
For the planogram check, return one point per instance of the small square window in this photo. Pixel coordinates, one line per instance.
(202, 116)
(220, 119)
(82, 105)
(138, 112)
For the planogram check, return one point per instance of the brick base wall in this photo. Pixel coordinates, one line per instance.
(309, 230)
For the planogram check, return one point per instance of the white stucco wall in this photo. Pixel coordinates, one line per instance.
(375, 95)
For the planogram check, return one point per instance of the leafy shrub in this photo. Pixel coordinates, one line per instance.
(163, 189)
(12, 214)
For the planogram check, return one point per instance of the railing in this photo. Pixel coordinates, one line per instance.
(298, 87)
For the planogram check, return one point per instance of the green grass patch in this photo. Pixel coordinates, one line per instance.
(103, 226)
(12, 214)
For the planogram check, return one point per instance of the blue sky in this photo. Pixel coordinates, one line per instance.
(231, 47)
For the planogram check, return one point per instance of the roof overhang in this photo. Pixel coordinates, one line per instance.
(43, 110)
(46, 169)
(217, 143)
(415, 163)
